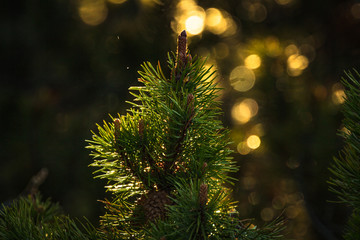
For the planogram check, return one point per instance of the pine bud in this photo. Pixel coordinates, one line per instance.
(163, 238)
(204, 166)
(190, 98)
(182, 47)
(141, 127)
(203, 194)
(117, 126)
(190, 102)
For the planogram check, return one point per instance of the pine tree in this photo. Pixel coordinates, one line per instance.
(166, 162)
(346, 168)
(168, 158)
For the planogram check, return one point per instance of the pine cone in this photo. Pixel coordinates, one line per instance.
(154, 203)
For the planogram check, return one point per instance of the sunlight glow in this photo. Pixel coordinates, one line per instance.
(194, 19)
(194, 24)
(189, 16)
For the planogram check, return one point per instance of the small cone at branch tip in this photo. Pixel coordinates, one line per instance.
(117, 126)
(182, 49)
(203, 194)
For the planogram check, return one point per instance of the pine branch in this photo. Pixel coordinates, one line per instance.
(346, 168)
(33, 219)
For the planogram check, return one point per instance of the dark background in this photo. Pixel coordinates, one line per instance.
(61, 73)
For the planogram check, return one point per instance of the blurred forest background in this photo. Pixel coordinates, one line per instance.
(67, 64)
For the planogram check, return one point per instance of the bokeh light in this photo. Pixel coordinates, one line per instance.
(253, 141)
(296, 64)
(150, 3)
(93, 12)
(214, 18)
(291, 49)
(117, 1)
(194, 24)
(254, 198)
(272, 45)
(267, 214)
(291, 212)
(257, 12)
(243, 111)
(243, 148)
(220, 22)
(249, 182)
(292, 163)
(338, 94)
(189, 16)
(308, 50)
(257, 129)
(355, 10)
(252, 61)
(279, 202)
(242, 78)
(194, 19)
(284, 2)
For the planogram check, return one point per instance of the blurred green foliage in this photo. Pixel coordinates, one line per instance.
(68, 64)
